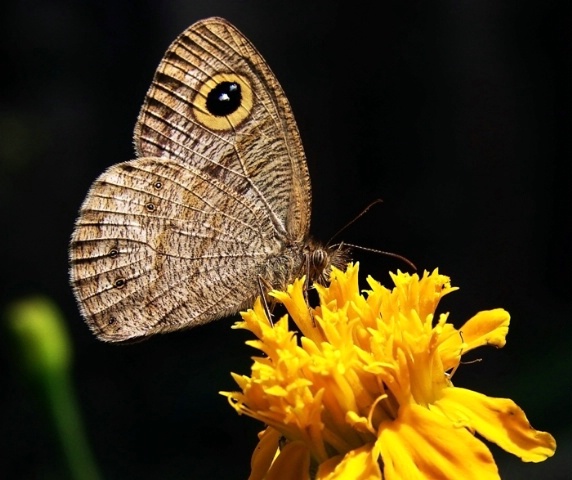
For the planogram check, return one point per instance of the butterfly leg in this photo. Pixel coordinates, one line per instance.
(264, 288)
(306, 288)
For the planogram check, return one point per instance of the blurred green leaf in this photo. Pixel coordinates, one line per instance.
(44, 354)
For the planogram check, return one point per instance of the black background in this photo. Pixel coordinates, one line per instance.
(455, 113)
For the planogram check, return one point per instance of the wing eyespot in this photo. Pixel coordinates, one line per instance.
(224, 99)
(223, 102)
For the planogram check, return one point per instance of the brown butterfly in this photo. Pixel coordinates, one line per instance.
(216, 204)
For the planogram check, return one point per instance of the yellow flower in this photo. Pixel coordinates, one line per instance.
(365, 390)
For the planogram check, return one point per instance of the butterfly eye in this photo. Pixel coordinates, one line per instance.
(224, 99)
(319, 258)
(223, 102)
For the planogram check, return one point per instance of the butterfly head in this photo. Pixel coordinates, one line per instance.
(321, 258)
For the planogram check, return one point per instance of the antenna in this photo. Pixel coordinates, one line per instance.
(377, 201)
(381, 252)
(353, 220)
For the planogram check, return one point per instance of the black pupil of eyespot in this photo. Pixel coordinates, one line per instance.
(224, 99)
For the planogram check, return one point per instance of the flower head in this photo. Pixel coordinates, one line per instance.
(365, 390)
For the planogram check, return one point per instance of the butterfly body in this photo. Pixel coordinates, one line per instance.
(218, 199)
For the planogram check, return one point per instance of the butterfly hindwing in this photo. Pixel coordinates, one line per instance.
(151, 248)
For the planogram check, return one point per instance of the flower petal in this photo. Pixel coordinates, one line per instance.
(358, 464)
(488, 327)
(499, 420)
(293, 463)
(264, 453)
(420, 444)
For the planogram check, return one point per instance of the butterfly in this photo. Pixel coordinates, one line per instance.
(215, 205)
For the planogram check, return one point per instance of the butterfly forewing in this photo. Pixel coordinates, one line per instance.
(262, 142)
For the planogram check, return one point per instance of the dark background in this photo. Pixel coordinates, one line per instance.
(455, 113)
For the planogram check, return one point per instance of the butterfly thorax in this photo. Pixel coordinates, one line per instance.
(309, 258)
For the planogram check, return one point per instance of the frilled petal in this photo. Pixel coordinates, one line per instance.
(422, 445)
(295, 302)
(499, 420)
(421, 294)
(343, 288)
